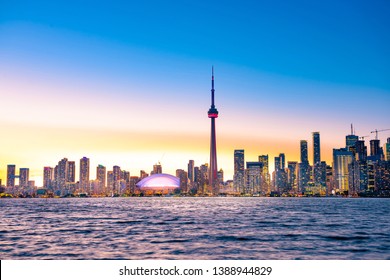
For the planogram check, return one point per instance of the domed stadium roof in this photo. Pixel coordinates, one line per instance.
(159, 182)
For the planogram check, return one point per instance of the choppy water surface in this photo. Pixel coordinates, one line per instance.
(195, 228)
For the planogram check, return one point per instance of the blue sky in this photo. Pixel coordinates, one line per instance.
(283, 70)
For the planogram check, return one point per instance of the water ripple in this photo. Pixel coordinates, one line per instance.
(195, 228)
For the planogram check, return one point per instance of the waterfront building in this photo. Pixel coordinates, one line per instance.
(253, 180)
(48, 177)
(159, 184)
(190, 170)
(143, 174)
(239, 169)
(101, 177)
(292, 176)
(203, 179)
(24, 177)
(304, 155)
(71, 176)
(316, 148)
(84, 174)
(11, 175)
(183, 177)
(116, 173)
(61, 176)
(266, 176)
(110, 183)
(342, 158)
(157, 169)
(386, 149)
(375, 150)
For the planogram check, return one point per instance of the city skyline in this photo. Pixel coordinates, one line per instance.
(131, 90)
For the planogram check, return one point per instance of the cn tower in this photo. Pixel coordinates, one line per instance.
(213, 114)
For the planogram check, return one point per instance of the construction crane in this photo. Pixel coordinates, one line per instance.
(362, 137)
(376, 132)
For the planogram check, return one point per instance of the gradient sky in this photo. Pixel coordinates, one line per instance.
(128, 82)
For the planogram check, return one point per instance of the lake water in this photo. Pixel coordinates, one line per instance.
(195, 228)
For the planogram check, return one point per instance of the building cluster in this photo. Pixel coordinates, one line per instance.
(353, 172)
(61, 180)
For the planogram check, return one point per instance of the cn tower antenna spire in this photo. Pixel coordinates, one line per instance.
(212, 87)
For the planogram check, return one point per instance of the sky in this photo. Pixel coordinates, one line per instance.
(128, 82)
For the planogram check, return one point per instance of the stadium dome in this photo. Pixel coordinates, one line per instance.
(159, 183)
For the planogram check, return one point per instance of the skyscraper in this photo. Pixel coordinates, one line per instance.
(316, 148)
(48, 176)
(213, 169)
(157, 169)
(319, 168)
(84, 174)
(101, 176)
(71, 175)
(239, 169)
(24, 175)
(350, 140)
(266, 176)
(386, 149)
(303, 168)
(292, 176)
(61, 175)
(253, 177)
(183, 176)
(374, 147)
(11, 175)
(190, 170)
(304, 157)
(341, 160)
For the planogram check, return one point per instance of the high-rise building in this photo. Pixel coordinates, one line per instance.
(375, 147)
(143, 174)
(253, 180)
(239, 169)
(116, 173)
(101, 177)
(213, 170)
(277, 163)
(280, 179)
(11, 175)
(342, 158)
(303, 168)
(292, 176)
(304, 156)
(110, 183)
(386, 149)
(203, 178)
(157, 169)
(266, 176)
(24, 177)
(191, 165)
(183, 176)
(71, 176)
(282, 157)
(319, 167)
(84, 174)
(61, 175)
(220, 176)
(48, 177)
(316, 148)
(350, 140)
(361, 150)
